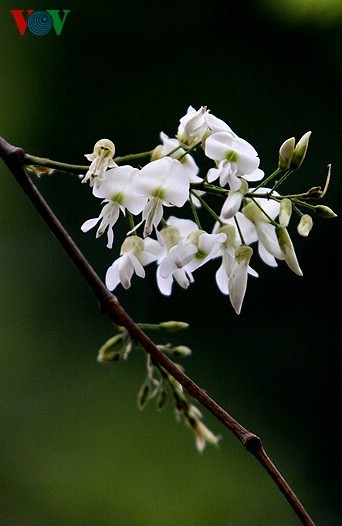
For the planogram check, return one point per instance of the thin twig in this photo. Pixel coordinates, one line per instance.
(15, 160)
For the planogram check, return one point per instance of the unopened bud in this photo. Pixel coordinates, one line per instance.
(181, 350)
(300, 150)
(324, 211)
(157, 153)
(285, 212)
(285, 153)
(162, 400)
(287, 250)
(111, 350)
(173, 326)
(144, 395)
(305, 225)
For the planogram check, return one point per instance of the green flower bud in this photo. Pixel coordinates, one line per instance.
(144, 395)
(324, 211)
(305, 225)
(181, 350)
(300, 150)
(287, 250)
(111, 350)
(173, 326)
(162, 399)
(285, 153)
(285, 212)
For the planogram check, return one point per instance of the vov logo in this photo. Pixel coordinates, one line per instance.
(40, 22)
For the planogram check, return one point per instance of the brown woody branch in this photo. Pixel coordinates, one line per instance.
(14, 158)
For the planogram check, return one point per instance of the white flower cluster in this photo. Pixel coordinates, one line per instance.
(171, 179)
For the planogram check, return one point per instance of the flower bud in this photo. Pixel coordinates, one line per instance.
(285, 212)
(181, 351)
(324, 211)
(111, 350)
(104, 148)
(157, 153)
(173, 326)
(287, 250)
(162, 399)
(300, 150)
(285, 153)
(305, 225)
(143, 395)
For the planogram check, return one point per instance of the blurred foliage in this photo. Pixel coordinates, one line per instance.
(75, 448)
(315, 12)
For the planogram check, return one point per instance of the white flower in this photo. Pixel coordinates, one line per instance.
(176, 255)
(191, 168)
(101, 159)
(162, 182)
(263, 231)
(217, 125)
(207, 247)
(227, 252)
(186, 248)
(230, 275)
(238, 279)
(233, 202)
(193, 126)
(234, 157)
(173, 266)
(118, 192)
(135, 254)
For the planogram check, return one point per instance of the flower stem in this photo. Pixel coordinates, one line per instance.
(268, 179)
(194, 211)
(207, 207)
(78, 168)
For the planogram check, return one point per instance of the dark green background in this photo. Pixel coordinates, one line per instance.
(75, 450)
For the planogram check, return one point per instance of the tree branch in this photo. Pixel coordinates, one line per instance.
(15, 159)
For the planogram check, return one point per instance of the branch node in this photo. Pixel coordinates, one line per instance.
(251, 442)
(11, 154)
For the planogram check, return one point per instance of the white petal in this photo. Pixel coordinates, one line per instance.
(237, 286)
(181, 278)
(138, 268)
(267, 236)
(222, 279)
(167, 267)
(90, 223)
(217, 145)
(231, 205)
(112, 275)
(252, 272)
(255, 176)
(164, 284)
(185, 226)
(153, 247)
(266, 256)
(213, 174)
(217, 125)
